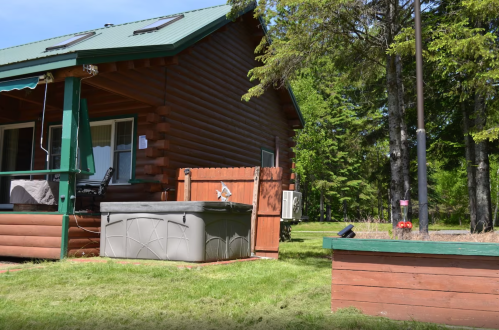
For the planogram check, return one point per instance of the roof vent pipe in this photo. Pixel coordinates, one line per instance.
(108, 24)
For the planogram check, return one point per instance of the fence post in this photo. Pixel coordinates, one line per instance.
(187, 185)
(254, 213)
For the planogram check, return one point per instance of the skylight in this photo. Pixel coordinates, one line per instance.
(71, 41)
(161, 23)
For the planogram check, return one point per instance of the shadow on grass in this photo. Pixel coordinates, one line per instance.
(297, 240)
(165, 319)
(305, 251)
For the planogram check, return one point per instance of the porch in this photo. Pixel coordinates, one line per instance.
(49, 135)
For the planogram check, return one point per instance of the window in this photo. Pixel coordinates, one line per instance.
(71, 41)
(159, 24)
(268, 158)
(112, 146)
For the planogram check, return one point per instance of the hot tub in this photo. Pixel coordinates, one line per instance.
(183, 231)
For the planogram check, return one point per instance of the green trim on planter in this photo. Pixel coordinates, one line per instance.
(424, 247)
(64, 236)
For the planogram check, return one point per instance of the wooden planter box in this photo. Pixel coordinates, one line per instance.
(441, 282)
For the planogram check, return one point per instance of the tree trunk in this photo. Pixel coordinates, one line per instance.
(305, 198)
(322, 207)
(389, 209)
(382, 217)
(396, 183)
(404, 145)
(328, 212)
(469, 146)
(345, 211)
(497, 198)
(483, 202)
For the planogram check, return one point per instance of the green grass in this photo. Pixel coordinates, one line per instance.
(362, 226)
(291, 293)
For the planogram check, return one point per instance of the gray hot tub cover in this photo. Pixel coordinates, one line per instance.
(174, 207)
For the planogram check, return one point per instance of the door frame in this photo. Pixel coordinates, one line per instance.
(5, 127)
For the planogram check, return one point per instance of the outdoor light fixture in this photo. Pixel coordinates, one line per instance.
(347, 232)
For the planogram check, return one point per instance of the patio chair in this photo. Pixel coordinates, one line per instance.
(92, 188)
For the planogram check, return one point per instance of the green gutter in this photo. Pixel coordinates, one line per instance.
(295, 103)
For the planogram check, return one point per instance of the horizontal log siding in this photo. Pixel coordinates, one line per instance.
(31, 235)
(81, 242)
(449, 289)
(210, 125)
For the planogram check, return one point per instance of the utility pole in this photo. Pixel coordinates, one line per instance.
(421, 133)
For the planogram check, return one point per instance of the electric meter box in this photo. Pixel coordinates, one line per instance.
(291, 205)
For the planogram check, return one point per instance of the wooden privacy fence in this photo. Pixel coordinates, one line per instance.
(204, 183)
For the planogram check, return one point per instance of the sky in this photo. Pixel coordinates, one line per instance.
(24, 21)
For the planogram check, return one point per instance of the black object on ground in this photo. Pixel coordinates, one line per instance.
(347, 232)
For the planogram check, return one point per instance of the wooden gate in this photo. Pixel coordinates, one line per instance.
(206, 181)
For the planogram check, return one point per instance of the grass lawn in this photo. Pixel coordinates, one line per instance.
(364, 226)
(291, 293)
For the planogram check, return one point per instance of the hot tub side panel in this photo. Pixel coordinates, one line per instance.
(449, 289)
(194, 237)
(227, 236)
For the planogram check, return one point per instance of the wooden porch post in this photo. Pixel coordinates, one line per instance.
(254, 213)
(68, 156)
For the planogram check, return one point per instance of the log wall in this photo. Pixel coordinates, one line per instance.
(449, 289)
(31, 235)
(189, 107)
(81, 242)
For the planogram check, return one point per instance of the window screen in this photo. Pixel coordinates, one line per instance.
(123, 152)
(112, 147)
(267, 158)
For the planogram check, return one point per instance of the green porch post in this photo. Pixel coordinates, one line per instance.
(68, 156)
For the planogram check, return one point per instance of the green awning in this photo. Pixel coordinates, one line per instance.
(10, 85)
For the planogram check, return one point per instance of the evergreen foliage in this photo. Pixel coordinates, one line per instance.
(351, 64)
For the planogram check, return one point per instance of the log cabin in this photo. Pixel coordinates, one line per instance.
(145, 98)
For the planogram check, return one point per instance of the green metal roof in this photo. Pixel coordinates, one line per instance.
(116, 41)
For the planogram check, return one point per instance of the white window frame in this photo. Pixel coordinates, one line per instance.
(111, 122)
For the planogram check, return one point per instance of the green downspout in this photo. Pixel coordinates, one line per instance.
(68, 156)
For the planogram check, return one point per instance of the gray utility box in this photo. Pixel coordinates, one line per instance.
(184, 231)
